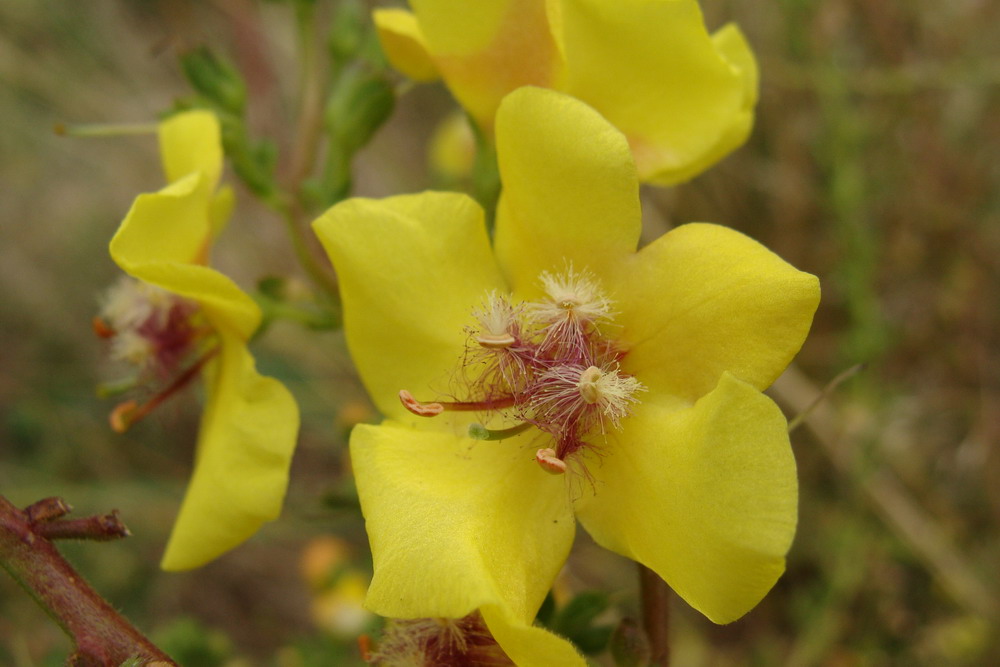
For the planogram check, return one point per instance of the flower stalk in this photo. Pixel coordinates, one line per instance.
(655, 595)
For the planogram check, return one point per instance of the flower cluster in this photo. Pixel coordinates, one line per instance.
(503, 362)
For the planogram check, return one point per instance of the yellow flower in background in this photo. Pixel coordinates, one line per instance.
(181, 319)
(619, 387)
(684, 98)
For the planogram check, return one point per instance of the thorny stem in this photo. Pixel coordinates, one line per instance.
(655, 615)
(100, 634)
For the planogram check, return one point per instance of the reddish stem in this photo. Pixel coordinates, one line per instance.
(655, 615)
(101, 635)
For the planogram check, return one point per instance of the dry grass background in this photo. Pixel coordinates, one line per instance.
(873, 164)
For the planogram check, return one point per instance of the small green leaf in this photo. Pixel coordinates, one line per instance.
(575, 622)
(215, 80)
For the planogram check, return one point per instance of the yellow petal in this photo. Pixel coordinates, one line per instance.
(161, 241)
(403, 44)
(191, 142)
(171, 225)
(456, 524)
(486, 49)
(704, 299)
(461, 31)
(650, 67)
(570, 188)
(245, 446)
(452, 150)
(411, 269)
(528, 645)
(219, 209)
(229, 309)
(733, 47)
(706, 497)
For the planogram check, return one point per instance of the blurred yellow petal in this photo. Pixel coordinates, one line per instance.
(452, 151)
(570, 188)
(245, 446)
(228, 308)
(651, 68)
(528, 645)
(403, 44)
(486, 49)
(161, 239)
(219, 209)
(458, 28)
(411, 269)
(733, 47)
(706, 497)
(191, 142)
(457, 524)
(704, 299)
(171, 225)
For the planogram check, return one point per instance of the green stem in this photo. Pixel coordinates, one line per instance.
(291, 213)
(309, 128)
(655, 596)
(310, 120)
(100, 634)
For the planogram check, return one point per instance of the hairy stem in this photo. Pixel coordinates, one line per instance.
(100, 634)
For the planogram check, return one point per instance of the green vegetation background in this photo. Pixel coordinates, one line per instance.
(873, 164)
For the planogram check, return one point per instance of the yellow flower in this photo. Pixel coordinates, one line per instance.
(249, 425)
(672, 455)
(682, 97)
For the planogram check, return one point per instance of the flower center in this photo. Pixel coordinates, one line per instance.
(162, 336)
(548, 364)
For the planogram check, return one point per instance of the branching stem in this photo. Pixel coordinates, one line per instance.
(100, 634)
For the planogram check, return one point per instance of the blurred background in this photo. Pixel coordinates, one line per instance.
(873, 164)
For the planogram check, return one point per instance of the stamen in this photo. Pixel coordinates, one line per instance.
(436, 408)
(497, 318)
(121, 416)
(572, 296)
(587, 384)
(129, 412)
(102, 328)
(495, 342)
(418, 408)
(480, 432)
(549, 462)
